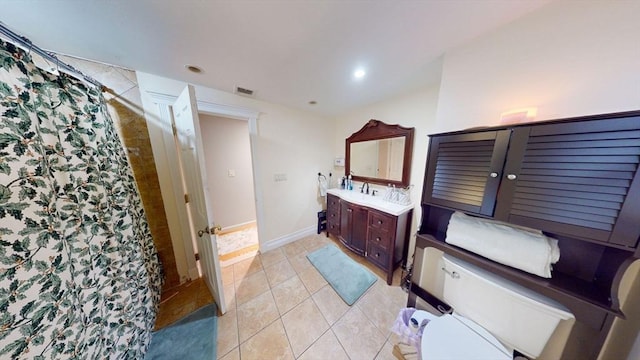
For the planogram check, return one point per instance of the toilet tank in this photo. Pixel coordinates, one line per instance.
(521, 318)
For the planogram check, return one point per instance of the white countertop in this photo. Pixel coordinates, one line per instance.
(375, 202)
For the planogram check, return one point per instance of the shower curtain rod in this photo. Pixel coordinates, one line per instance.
(26, 43)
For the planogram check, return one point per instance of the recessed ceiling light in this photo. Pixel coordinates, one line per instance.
(193, 68)
(359, 73)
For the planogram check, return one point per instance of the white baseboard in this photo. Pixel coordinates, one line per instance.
(237, 226)
(283, 240)
(194, 273)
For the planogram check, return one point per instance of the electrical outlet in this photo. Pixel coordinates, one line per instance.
(280, 177)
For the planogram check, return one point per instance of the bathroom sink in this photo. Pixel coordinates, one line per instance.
(375, 202)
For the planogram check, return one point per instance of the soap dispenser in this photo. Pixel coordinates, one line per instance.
(349, 183)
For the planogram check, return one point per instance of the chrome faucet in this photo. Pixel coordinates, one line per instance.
(362, 188)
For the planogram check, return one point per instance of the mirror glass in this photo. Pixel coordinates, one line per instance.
(380, 153)
(381, 159)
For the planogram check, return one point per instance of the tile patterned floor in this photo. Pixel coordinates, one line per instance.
(182, 300)
(280, 307)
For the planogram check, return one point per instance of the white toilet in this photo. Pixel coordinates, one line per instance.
(492, 317)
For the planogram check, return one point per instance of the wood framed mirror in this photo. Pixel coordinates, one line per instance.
(380, 153)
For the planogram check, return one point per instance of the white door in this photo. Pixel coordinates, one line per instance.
(187, 124)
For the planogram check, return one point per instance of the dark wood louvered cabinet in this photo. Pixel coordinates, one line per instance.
(464, 170)
(574, 178)
(577, 180)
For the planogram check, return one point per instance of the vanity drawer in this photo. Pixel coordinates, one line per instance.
(382, 222)
(380, 238)
(333, 227)
(377, 255)
(333, 202)
(333, 215)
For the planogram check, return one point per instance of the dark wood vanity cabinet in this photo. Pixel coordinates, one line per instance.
(577, 180)
(387, 238)
(333, 215)
(353, 227)
(380, 237)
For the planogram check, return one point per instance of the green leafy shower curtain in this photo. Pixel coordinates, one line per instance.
(79, 274)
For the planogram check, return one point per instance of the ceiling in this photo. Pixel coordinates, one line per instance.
(288, 52)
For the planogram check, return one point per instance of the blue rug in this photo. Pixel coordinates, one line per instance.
(348, 278)
(192, 337)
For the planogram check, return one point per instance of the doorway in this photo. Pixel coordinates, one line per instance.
(161, 134)
(228, 162)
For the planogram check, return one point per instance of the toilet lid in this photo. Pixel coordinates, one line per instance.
(454, 337)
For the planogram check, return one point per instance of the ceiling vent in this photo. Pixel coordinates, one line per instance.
(244, 91)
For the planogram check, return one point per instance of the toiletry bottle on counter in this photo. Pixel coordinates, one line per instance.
(350, 183)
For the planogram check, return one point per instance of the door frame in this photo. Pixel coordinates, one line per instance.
(163, 103)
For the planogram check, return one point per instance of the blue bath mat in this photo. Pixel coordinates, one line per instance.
(192, 337)
(348, 278)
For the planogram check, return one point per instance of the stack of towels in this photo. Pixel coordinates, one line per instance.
(522, 248)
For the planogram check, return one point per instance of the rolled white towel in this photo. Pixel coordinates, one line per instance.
(522, 248)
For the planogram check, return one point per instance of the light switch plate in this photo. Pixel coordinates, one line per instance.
(231, 173)
(280, 177)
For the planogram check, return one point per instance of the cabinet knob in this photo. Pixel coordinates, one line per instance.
(379, 222)
(511, 176)
(378, 239)
(494, 174)
(349, 210)
(377, 255)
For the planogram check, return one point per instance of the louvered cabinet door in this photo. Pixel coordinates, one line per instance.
(464, 170)
(575, 178)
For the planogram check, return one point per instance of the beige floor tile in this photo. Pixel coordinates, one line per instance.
(327, 347)
(300, 262)
(279, 272)
(386, 353)
(312, 279)
(358, 336)
(232, 355)
(304, 325)
(230, 296)
(294, 248)
(227, 333)
(255, 315)
(251, 286)
(315, 242)
(330, 304)
(374, 306)
(392, 296)
(271, 257)
(270, 343)
(289, 293)
(246, 267)
(227, 275)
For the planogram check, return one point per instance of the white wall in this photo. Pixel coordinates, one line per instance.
(227, 148)
(290, 142)
(416, 110)
(569, 58)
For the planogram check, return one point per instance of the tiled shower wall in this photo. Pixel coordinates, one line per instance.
(125, 106)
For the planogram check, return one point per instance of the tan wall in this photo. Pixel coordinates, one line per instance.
(227, 148)
(125, 107)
